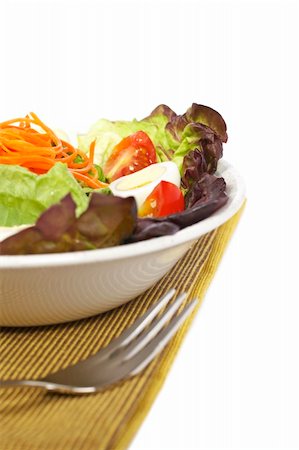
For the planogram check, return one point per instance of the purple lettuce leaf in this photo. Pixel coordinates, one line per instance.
(161, 111)
(107, 221)
(58, 220)
(148, 228)
(194, 166)
(208, 117)
(207, 189)
(176, 135)
(200, 128)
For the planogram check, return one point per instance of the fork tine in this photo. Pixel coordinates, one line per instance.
(138, 326)
(116, 369)
(138, 362)
(156, 325)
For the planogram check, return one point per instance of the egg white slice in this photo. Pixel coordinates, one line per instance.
(140, 184)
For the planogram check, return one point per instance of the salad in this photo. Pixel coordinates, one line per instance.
(126, 182)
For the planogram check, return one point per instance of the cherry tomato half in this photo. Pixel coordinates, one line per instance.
(165, 199)
(133, 153)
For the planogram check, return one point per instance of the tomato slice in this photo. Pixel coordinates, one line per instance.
(133, 153)
(165, 199)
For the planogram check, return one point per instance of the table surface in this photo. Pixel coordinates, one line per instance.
(234, 384)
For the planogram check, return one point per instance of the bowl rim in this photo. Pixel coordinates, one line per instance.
(153, 245)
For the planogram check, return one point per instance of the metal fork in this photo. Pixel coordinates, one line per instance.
(125, 356)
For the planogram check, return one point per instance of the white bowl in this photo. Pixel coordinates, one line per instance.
(55, 288)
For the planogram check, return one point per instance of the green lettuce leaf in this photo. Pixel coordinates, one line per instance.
(25, 195)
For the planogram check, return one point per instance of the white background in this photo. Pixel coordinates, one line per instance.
(235, 383)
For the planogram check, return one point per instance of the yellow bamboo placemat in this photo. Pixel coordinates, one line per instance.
(35, 420)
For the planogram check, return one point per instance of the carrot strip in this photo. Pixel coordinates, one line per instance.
(91, 150)
(39, 149)
(96, 184)
(27, 148)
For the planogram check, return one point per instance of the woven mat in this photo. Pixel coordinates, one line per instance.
(35, 420)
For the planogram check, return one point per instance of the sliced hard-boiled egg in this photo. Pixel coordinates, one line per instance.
(140, 184)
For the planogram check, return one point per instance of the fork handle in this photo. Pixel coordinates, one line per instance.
(49, 386)
(27, 383)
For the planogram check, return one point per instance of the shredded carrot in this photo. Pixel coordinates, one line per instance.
(38, 151)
